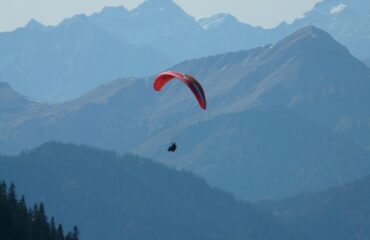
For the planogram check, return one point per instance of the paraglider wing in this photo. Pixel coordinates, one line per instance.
(197, 89)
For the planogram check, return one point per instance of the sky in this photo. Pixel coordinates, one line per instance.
(266, 13)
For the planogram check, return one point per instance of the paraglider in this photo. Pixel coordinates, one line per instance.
(197, 89)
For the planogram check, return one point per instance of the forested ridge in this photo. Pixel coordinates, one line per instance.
(115, 197)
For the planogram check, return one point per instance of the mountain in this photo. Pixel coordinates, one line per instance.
(70, 59)
(225, 33)
(308, 74)
(338, 213)
(126, 197)
(348, 21)
(112, 117)
(161, 24)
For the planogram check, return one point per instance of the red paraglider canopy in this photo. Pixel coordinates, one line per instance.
(190, 81)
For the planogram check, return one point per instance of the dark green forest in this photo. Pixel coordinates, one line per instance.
(17, 222)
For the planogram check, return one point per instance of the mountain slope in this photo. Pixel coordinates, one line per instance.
(243, 152)
(367, 61)
(338, 213)
(14, 107)
(63, 62)
(114, 197)
(224, 33)
(111, 117)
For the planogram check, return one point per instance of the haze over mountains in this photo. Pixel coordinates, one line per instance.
(60, 63)
(305, 86)
(287, 114)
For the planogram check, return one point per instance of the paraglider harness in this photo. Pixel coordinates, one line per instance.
(172, 147)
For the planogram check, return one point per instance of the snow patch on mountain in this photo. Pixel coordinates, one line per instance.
(337, 9)
(34, 100)
(214, 21)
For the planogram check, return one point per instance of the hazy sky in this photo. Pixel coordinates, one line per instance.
(267, 13)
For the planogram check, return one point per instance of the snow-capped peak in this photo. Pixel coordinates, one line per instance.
(337, 9)
(214, 21)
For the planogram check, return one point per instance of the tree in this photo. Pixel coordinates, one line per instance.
(19, 223)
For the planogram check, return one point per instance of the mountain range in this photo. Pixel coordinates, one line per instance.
(303, 88)
(63, 62)
(126, 197)
(314, 81)
(135, 198)
(185, 37)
